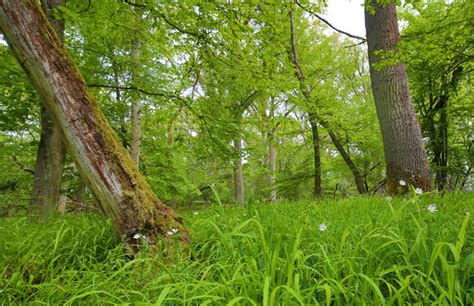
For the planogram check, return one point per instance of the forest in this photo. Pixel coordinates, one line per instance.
(236, 153)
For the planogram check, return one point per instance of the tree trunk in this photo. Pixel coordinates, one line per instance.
(440, 146)
(80, 197)
(51, 150)
(49, 167)
(104, 164)
(355, 171)
(314, 127)
(270, 134)
(239, 173)
(272, 167)
(312, 115)
(405, 156)
(316, 156)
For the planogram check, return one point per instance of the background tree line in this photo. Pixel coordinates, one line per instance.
(244, 103)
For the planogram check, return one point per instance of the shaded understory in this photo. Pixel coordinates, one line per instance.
(373, 250)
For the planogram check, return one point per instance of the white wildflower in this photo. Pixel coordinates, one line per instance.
(388, 198)
(467, 213)
(432, 208)
(137, 236)
(402, 183)
(171, 232)
(196, 213)
(419, 191)
(323, 227)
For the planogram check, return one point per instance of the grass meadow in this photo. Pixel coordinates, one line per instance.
(359, 251)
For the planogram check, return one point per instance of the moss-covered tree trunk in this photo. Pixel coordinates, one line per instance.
(51, 150)
(104, 164)
(405, 156)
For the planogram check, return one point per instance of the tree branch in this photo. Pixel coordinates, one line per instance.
(328, 23)
(134, 4)
(22, 167)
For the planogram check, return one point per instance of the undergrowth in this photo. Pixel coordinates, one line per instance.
(354, 251)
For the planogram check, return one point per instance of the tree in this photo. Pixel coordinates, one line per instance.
(51, 150)
(405, 156)
(105, 165)
(316, 120)
(436, 49)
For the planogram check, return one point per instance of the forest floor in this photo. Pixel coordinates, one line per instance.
(369, 250)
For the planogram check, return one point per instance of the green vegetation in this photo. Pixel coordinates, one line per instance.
(258, 122)
(374, 250)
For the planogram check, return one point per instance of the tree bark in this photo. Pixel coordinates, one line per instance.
(104, 164)
(51, 151)
(405, 156)
(239, 173)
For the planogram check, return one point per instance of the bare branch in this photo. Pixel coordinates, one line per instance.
(328, 23)
(22, 167)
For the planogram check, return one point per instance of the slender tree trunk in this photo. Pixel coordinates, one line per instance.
(239, 173)
(270, 134)
(355, 171)
(104, 164)
(135, 143)
(314, 127)
(440, 147)
(272, 167)
(81, 194)
(51, 150)
(312, 115)
(317, 190)
(405, 156)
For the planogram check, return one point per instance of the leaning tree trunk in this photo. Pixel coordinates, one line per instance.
(358, 178)
(405, 156)
(105, 165)
(51, 150)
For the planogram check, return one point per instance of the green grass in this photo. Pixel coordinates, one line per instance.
(373, 252)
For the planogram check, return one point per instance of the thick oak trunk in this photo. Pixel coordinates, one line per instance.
(51, 150)
(104, 164)
(405, 156)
